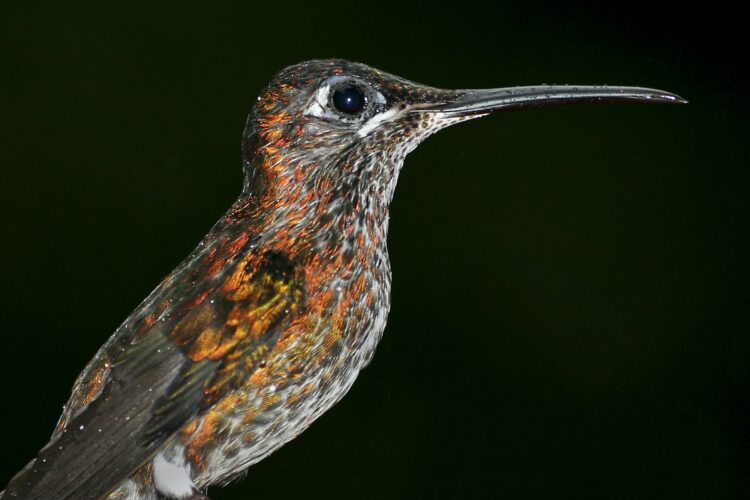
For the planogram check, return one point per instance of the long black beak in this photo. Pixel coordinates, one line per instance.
(481, 102)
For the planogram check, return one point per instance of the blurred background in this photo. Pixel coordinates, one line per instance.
(570, 304)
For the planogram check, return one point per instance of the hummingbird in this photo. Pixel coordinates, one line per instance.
(268, 322)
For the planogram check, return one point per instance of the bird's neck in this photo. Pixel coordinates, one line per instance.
(321, 216)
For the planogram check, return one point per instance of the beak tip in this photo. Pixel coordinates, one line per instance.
(675, 99)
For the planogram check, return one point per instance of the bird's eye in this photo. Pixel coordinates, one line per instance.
(349, 99)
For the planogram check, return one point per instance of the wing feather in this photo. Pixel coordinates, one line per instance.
(160, 378)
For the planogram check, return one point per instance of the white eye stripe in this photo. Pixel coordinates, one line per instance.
(376, 120)
(379, 98)
(319, 102)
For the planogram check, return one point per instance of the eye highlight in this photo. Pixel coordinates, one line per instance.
(349, 99)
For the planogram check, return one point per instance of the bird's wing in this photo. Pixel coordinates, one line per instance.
(148, 385)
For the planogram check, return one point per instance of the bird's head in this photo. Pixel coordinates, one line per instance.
(328, 126)
(327, 122)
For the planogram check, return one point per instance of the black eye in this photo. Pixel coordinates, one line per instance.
(349, 99)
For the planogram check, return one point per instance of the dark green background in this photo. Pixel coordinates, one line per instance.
(570, 307)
